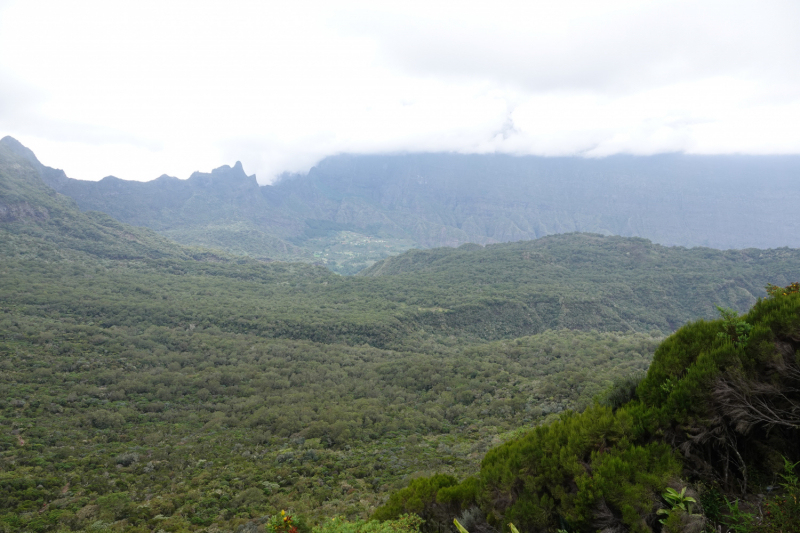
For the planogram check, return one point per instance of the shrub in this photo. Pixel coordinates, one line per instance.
(575, 470)
(127, 459)
(407, 523)
(114, 506)
(103, 419)
(249, 498)
(621, 391)
(420, 498)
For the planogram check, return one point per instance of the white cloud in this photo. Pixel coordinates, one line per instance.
(611, 47)
(140, 89)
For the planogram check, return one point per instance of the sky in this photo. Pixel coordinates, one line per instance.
(145, 88)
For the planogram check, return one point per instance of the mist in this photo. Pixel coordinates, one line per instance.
(99, 88)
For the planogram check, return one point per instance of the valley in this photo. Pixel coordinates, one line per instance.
(148, 385)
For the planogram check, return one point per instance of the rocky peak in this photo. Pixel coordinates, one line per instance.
(226, 179)
(19, 149)
(55, 178)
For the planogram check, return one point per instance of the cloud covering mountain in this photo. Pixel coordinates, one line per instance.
(100, 88)
(350, 211)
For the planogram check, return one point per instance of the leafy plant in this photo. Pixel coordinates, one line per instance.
(459, 527)
(678, 502)
(712, 502)
(281, 523)
(669, 385)
(790, 479)
(737, 520)
(775, 290)
(621, 391)
(782, 511)
(735, 329)
(511, 527)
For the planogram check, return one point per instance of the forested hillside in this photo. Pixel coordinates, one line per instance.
(707, 441)
(350, 211)
(580, 281)
(146, 386)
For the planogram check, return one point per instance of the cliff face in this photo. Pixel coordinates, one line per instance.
(671, 199)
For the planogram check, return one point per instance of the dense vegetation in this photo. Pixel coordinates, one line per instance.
(148, 386)
(322, 429)
(580, 281)
(718, 409)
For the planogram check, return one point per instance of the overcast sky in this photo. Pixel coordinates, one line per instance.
(139, 89)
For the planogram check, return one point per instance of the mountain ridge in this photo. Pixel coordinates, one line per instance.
(350, 211)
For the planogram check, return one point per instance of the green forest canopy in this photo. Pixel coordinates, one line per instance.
(162, 387)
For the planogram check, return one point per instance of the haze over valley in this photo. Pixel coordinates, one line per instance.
(350, 211)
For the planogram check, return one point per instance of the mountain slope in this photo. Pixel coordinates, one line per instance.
(33, 213)
(449, 199)
(222, 209)
(350, 211)
(145, 385)
(717, 414)
(575, 281)
(583, 281)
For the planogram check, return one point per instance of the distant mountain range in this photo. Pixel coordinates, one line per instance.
(350, 211)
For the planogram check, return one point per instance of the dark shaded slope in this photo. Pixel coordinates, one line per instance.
(450, 199)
